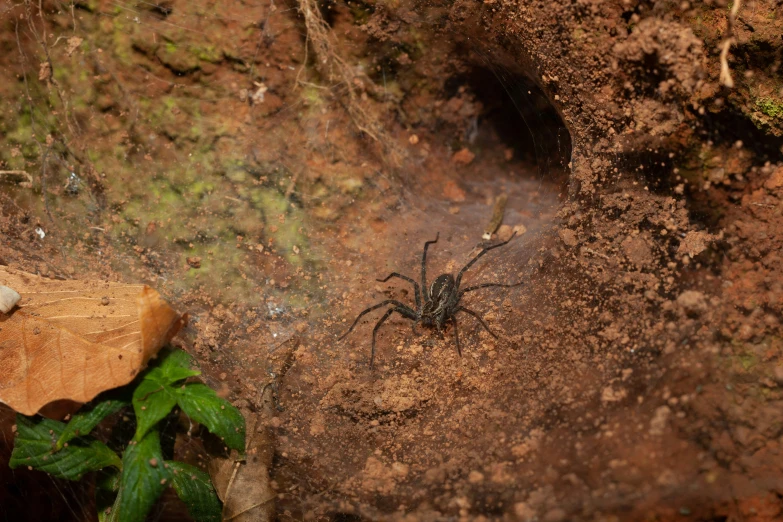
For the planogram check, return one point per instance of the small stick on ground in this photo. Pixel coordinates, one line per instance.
(19, 177)
(497, 216)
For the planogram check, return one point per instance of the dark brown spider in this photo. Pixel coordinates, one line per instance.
(441, 300)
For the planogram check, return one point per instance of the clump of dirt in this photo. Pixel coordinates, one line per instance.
(637, 371)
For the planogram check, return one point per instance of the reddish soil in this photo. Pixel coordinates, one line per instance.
(638, 373)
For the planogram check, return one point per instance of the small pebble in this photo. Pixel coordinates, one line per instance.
(524, 512)
(504, 233)
(554, 515)
(463, 157)
(8, 298)
(400, 469)
(475, 477)
(568, 237)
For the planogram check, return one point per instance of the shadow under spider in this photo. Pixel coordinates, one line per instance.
(441, 301)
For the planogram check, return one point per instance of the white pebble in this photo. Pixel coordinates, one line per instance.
(8, 298)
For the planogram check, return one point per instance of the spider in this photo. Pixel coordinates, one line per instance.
(441, 300)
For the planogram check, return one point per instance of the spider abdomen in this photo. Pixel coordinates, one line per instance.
(442, 288)
(443, 300)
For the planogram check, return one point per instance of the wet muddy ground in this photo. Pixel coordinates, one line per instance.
(226, 155)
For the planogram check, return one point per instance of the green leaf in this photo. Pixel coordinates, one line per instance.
(152, 401)
(202, 404)
(84, 422)
(154, 397)
(196, 491)
(144, 477)
(173, 366)
(35, 447)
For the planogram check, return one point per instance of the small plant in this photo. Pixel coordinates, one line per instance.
(129, 482)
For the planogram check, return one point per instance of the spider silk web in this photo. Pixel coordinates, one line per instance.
(171, 136)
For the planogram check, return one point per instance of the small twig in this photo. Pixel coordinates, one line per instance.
(14, 176)
(276, 377)
(43, 182)
(497, 216)
(234, 473)
(297, 81)
(270, 499)
(291, 189)
(725, 73)
(313, 85)
(291, 185)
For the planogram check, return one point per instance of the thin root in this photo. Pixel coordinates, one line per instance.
(334, 68)
(725, 73)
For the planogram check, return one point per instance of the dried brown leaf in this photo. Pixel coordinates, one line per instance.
(244, 487)
(74, 339)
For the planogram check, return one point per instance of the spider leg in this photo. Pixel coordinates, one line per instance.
(405, 312)
(487, 285)
(424, 286)
(487, 249)
(397, 304)
(406, 278)
(480, 320)
(456, 335)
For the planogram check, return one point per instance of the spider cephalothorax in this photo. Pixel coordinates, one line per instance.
(440, 303)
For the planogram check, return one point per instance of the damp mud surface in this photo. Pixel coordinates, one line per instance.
(263, 165)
